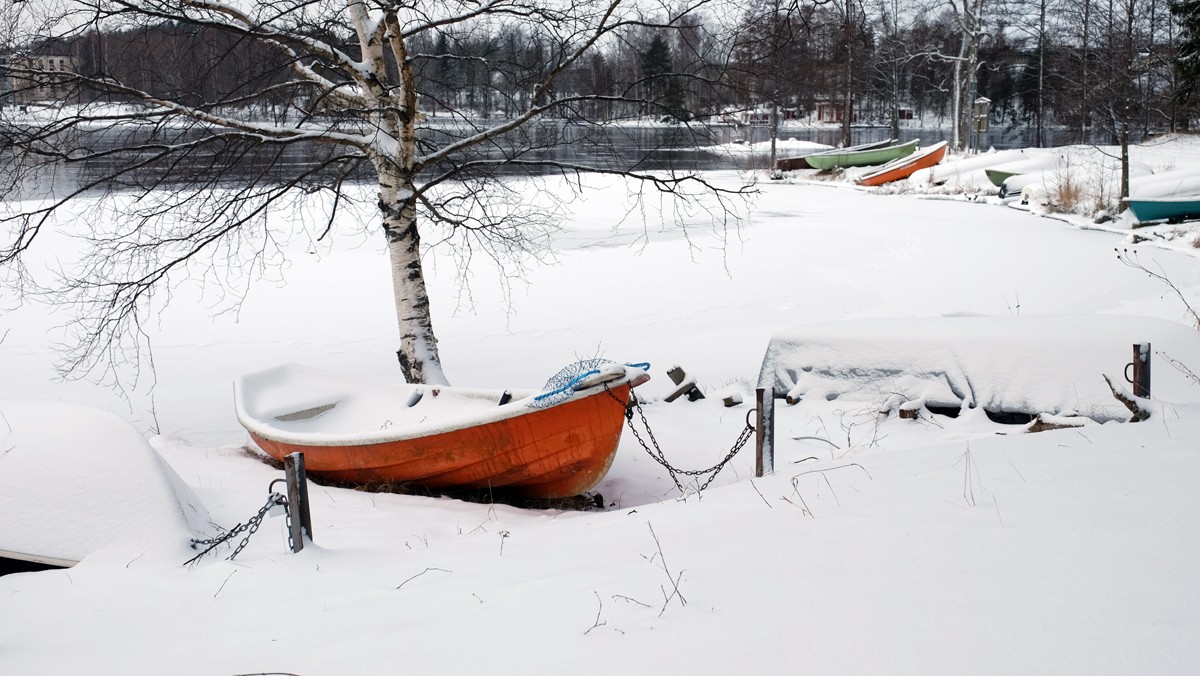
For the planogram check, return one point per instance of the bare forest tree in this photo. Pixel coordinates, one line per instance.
(768, 53)
(431, 101)
(970, 17)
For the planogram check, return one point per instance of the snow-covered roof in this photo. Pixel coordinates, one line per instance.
(1030, 365)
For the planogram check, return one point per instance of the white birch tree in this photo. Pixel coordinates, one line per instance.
(347, 75)
(969, 15)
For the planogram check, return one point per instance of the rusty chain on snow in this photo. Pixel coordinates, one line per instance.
(657, 453)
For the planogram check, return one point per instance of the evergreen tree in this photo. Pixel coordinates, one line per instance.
(656, 66)
(1187, 61)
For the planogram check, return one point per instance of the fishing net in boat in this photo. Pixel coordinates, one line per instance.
(561, 385)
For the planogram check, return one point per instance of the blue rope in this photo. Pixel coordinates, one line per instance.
(645, 366)
(568, 386)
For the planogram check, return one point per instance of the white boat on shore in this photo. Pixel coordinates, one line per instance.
(76, 479)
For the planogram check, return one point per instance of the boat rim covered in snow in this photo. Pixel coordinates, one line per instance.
(556, 442)
(842, 158)
(903, 167)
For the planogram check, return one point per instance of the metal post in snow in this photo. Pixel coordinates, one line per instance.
(297, 486)
(1140, 366)
(764, 432)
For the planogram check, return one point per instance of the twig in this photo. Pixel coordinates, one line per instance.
(630, 600)
(223, 584)
(673, 579)
(831, 491)
(1010, 464)
(815, 438)
(597, 622)
(1131, 260)
(674, 592)
(1179, 366)
(752, 485)
(969, 484)
(830, 469)
(803, 505)
(427, 570)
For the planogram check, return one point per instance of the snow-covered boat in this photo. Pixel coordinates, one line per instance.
(554, 443)
(997, 174)
(859, 156)
(76, 479)
(968, 167)
(904, 166)
(800, 162)
(1174, 209)
(1174, 183)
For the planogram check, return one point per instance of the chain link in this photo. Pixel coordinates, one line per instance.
(287, 522)
(249, 528)
(657, 453)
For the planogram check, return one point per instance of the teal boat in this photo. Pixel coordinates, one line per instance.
(1173, 209)
(857, 157)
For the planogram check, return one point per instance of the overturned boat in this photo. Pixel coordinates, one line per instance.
(866, 155)
(76, 479)
(556, 442)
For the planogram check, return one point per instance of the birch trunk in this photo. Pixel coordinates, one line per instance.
(418, 353)
(393, 156)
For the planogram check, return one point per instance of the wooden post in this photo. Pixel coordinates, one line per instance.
(297, 486)
(1141, 370)
(686, 385)
(764, 432)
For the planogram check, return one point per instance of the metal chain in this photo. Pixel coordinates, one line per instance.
(256, 521)
(657, 454)
(287, 522)
(249, 527)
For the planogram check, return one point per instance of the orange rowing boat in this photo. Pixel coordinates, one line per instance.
(555, 443)
(905, 166)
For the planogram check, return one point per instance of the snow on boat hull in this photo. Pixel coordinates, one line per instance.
(795, 163)
(546, 452)
(958, 169)
(905, 166)
(999, 173)
(75, 480)
(833, 159)
(1177, 183)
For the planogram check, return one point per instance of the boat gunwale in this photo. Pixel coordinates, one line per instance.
(855, 158)
(37, 558)
(452, 423)
(875, 145)
(903, 162)
(1174, 199)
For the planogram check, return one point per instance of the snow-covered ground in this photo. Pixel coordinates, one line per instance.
(880, 545)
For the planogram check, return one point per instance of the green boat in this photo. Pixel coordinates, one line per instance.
(1002, 172)
(851, 157)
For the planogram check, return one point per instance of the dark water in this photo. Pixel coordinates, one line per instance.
(543, 147)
